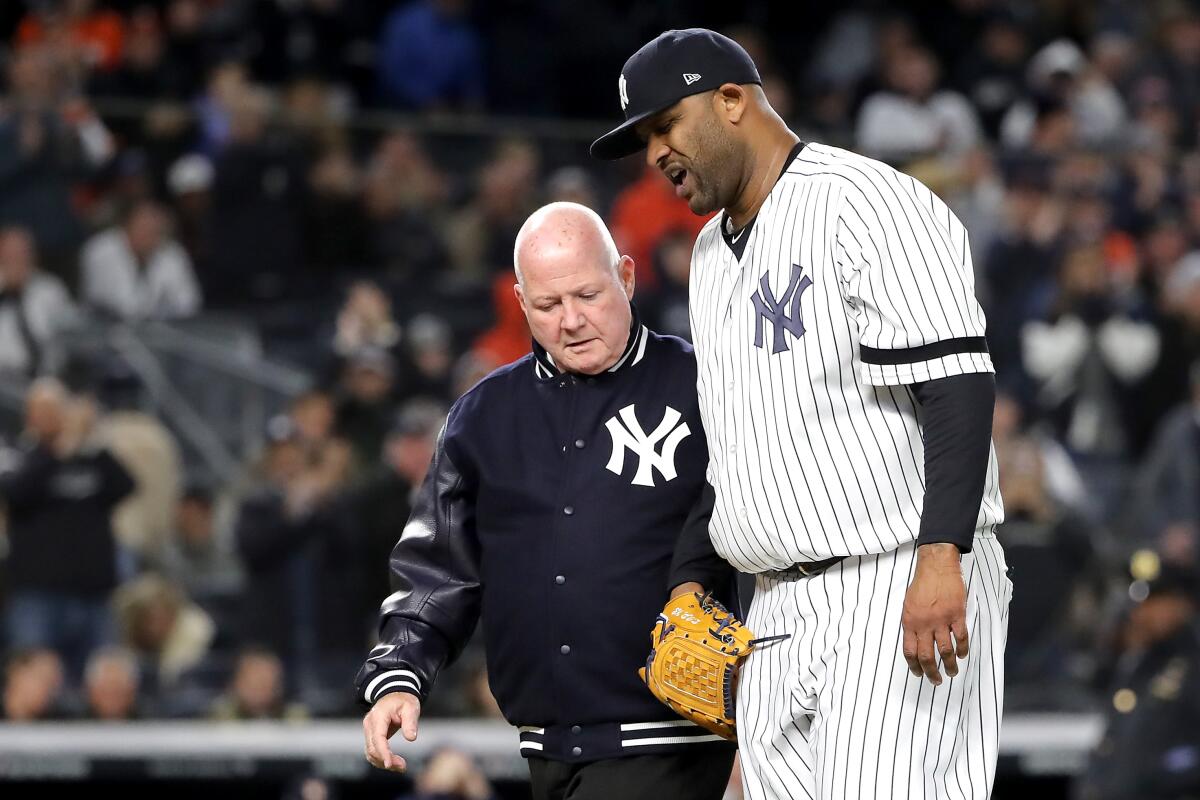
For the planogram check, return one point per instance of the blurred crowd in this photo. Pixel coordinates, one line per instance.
(162, 161)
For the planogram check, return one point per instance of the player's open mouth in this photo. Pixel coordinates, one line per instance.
(676, 175)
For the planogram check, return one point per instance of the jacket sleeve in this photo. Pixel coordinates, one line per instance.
(435, 599)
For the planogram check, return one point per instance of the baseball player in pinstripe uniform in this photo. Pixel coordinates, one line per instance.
(846, 392)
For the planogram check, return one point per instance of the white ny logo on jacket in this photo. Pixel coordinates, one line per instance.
(631, 436)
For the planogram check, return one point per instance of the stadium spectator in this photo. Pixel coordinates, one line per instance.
(664, 307)
(137, 271)
(305, 572)
(385, 497)
(62, 560)
(199, 555)
(256, 690)
(1149, 743)
(1051, 549)
(337, 232)
(258, 196)
(404, 198)
(643, 213)
(428, 355)
(190, 180)
(110, 684)
(1175, 60)
(451, 775)
(430, 57)
(46, 144)
(93, 37)
(35, 308)
(480, 236)
(365, 400)
(913, 117)
(509, 338)
(147, 69)
(167, 631)
(1059, 73)
(992, 75)
(365, 320)
(33, 684)
(1168, 486)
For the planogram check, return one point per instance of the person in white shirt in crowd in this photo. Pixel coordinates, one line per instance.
(912, 117)
(34, 308)
(137, 271)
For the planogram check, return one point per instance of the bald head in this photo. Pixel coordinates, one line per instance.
(562, 230)
(574, 287)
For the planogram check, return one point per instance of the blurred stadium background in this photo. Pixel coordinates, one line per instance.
(250, 250)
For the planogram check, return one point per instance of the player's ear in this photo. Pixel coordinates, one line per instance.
(731, 100)
(625, 271)
(520, 297)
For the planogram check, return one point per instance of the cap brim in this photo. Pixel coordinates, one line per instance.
(622, 140)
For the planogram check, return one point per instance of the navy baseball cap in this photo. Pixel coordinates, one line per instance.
(667, 69)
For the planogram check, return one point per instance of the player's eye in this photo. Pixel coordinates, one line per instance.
(589, 295)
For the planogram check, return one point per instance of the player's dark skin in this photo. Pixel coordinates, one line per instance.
(725, 149)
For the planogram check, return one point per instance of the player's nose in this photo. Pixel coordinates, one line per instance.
(656, 151)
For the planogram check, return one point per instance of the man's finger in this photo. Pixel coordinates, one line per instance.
(910, 652)
(927, 658)
(959, 629)
(945, 648)
(409, 714)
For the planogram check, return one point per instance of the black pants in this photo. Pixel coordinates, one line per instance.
(691, 775)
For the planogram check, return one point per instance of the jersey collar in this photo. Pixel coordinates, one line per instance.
(544, 367)
(736, 240)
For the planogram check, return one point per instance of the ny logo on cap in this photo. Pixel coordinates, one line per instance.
(624, 94)
(690, 77)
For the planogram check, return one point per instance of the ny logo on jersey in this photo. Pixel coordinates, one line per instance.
(767, 308)
(624, 93)
(631, 436)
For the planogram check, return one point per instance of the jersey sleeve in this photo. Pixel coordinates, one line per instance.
(907, 279)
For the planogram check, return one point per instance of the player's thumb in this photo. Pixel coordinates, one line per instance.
(409, 714)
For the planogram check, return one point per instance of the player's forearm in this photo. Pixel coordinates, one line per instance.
(957, 434)
(695, 561)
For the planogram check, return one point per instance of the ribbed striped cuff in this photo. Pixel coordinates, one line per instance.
(394, 680)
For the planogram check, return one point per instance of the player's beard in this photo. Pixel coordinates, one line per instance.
(714, 158)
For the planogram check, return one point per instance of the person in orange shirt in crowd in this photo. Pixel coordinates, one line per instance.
(508, 339)
(94, 38)
(643, 214)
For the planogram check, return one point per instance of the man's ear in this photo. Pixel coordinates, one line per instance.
(625, 271)
(730, 101)
(520, 297)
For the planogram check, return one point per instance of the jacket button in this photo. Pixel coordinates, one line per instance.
(575, 729)
(569, 510)
(576, 751)
(579, 444)
(560, 579)
(565, 649)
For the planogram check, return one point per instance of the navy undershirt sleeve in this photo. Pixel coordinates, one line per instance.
(957, 430)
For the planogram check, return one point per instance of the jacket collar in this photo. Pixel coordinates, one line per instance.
(544, 367)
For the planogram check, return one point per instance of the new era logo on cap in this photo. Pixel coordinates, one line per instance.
(690, 77)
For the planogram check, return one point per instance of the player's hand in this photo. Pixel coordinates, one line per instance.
(398, 711)
(935, 613)
(687, 588)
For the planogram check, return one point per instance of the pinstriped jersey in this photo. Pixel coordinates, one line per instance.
(853, 281)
